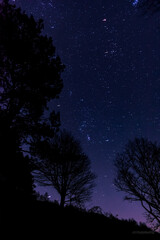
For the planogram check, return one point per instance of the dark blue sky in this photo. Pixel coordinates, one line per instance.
(111, 83)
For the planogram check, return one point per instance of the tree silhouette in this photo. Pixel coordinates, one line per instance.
(29, 79)
(62, 164)
(138, 175)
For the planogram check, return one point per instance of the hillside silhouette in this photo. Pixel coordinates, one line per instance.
(48, 219)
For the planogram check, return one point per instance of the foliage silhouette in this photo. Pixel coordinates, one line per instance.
(137, 174)
(45, 197)
(29, 79)
(62, 164)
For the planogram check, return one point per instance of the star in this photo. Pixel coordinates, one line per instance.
(135, 2)
(88, 138)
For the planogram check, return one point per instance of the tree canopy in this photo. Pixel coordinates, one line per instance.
(29, 70)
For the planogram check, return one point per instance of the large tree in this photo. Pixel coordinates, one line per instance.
(138, 175)
(30, 76)
(62, 164)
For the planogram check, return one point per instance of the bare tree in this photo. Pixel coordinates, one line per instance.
(138, 175)
(62, 164)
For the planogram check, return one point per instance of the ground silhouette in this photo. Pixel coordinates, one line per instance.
(49, 220)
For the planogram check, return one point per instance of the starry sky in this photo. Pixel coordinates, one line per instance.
(111, 82)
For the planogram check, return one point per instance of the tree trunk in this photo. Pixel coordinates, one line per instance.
(62, 200)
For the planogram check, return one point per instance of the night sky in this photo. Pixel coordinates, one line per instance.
(111, 82)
